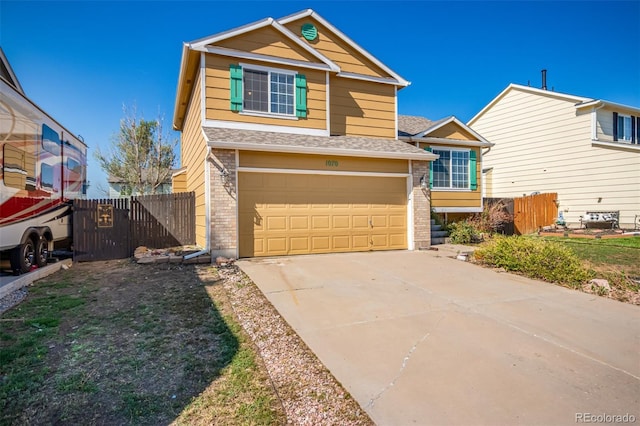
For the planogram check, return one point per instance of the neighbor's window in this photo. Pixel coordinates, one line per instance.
(624, 127)
(451, 170)
(268, 91)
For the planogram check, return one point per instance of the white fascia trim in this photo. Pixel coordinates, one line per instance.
(248, 146)
(445, 141)
(312, 13)
(305, 46)
(183, 67)
(230, 33)
(203, 90)
(457, 209)
(602, 103)
(616, 145)
(454, 119)
(223, 51)
(319, 172)
(370, 78)
(533, 90)
(202, 43)
(265, 128)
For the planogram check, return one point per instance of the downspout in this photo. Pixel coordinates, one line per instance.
(207, 205)
(594, 121)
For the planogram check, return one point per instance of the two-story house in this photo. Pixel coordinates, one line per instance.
(585, 150)
(289, 140)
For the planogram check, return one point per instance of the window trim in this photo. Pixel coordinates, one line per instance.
(451, 188)
(269, 70)
(621, 132)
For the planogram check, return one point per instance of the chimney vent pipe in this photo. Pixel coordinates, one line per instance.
(544, 79)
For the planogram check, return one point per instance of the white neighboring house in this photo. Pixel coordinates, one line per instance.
(587, 150)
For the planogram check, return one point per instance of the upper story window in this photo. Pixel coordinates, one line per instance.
(269, 91)
(455, 169)
(625, 128)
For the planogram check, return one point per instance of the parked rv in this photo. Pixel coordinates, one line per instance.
(42, 169)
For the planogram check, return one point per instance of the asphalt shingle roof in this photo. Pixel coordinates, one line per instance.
(364, 146)
(410, 125)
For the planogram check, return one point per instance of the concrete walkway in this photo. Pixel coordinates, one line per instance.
(421, 338)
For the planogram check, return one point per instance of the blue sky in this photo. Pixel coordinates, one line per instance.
(81, 61)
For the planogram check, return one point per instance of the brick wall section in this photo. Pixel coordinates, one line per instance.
(421, 206)
(224, 198)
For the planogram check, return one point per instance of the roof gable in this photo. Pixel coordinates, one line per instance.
(267, 41)
(531, 90)
(416, 128)
(352, 58)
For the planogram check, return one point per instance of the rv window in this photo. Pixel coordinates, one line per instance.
(46, 176)
(50, 140)
(74, 166)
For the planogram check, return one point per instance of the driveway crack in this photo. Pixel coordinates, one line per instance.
(405, 362)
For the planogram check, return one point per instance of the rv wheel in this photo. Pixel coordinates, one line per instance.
(42, 252)
(22, 257)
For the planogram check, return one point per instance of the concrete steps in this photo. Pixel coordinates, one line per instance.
(438, 234)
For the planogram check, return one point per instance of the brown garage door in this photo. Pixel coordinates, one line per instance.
(282, 214)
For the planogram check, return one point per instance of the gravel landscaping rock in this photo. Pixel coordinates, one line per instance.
(12, 299)
(309, 393)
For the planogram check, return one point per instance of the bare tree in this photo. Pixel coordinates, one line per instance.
(141, 156)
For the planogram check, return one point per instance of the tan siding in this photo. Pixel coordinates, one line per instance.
(452, 131)
(268, 41)
(543, 144)
(349, 59)
(319, 162)
(179, 183)
(456, 199)
(194, 151)
(362, 108)
(218, 97)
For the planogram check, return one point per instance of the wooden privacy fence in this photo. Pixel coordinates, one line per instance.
(529, 213)
(112, 228)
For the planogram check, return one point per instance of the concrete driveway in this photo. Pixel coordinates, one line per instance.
(420, 338)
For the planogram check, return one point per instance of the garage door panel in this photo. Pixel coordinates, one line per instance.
(341, 222)
(360, 242)
(320, 243)
(299, 245)
(299, 223)
(320, 223)
(276, 223)
(296, 214)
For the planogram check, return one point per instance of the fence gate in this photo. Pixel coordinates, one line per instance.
(532, 212)
(101, 229)
(112, 228)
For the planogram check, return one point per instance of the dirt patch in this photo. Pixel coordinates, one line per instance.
(160, 344)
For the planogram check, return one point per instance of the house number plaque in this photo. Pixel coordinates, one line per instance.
(105, 216)
(331, 163)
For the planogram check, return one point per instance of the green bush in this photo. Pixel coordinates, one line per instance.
(546, 260)
(463, 233)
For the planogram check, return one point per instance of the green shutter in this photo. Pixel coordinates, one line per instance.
(430, 169)
(473, 171)
(236, 87)
(301, 96)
